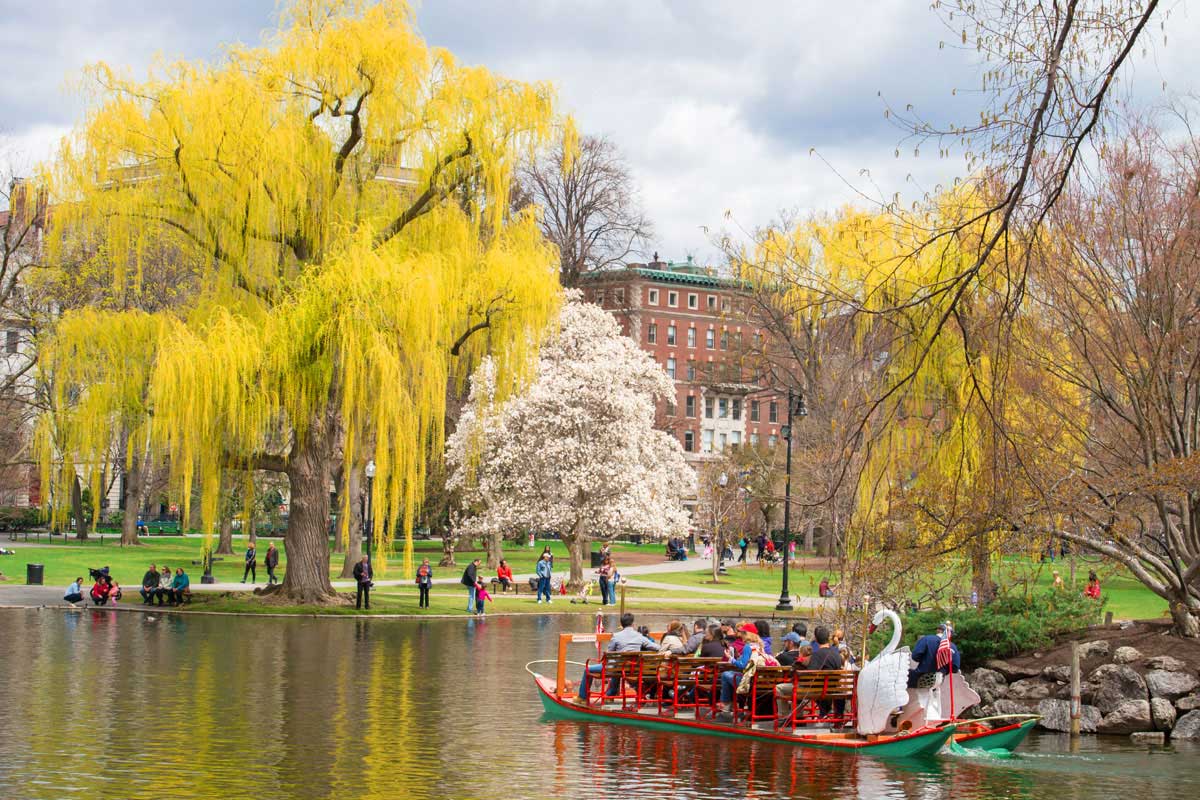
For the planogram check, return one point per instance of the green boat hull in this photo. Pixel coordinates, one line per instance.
(925, 743)
(1008, 738)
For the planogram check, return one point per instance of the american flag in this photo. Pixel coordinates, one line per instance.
(945, 656)
(599, 623)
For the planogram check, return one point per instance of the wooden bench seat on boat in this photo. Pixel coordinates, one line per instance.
(811, 689)
(693, 684)
(760, 699)
(636, 673)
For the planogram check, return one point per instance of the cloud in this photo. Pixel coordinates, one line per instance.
(715, 104)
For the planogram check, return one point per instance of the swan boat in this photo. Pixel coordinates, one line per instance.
(678, 695)
(886, 677)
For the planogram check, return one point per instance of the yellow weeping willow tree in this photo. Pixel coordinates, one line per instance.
(343, 190)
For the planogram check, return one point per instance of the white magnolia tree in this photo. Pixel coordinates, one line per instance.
(577, 452)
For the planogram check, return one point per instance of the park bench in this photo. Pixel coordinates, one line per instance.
(693, 682)
(498, 588)
(812, 688)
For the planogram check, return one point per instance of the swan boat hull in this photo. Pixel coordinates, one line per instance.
(925, 742)
(1002, 737)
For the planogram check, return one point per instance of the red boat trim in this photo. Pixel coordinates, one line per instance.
(729, 729)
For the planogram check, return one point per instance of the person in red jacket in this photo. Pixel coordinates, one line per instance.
(504, 575)
(1093, 586)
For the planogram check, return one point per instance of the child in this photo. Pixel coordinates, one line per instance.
(481, 594)
(114, 591)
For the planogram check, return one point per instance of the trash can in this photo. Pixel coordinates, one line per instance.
(34, 574)
(596, 560)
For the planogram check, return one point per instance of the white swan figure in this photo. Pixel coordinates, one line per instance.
(883, 681)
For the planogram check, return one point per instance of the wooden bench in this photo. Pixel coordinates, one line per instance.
(622, 666)
(498, 587)
(762, 694)
(693, 683)
(810, 689)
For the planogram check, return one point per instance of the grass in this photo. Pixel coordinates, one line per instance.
(67, 560)
(745, 579)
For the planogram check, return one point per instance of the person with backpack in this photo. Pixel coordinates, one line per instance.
(544, 571)
(743, 543)
(424, 581)
(470, 577)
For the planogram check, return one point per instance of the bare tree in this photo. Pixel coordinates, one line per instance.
(589, 204)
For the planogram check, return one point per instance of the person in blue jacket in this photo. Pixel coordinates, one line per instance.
(924, 675)
(544, 571)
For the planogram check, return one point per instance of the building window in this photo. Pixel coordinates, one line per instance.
(723, 408)
(737, 408)
(710, 338)
(672, 299)
(691, 337)
(706, 438)
(671, 335)
(691, 371)
(653, 298)
(11, 340)
(724, 440)
(693, 301)
(735, 439)
(652, 333)
(757, 340)
(712, 302)
(724, 340)
(671, 368)
(689, 440)
(708, 407)
(771, 440)
(725, 304)
(671, 409)
(754, 411)
(619, 296)
(773, 412)
(689, 406)
(599, 297)
(754, 440)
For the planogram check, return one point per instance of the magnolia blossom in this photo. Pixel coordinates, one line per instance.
(577, 452)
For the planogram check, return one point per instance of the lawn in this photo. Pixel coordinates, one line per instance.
(745, 579)
(67, 560)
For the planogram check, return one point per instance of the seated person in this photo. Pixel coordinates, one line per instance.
(671, 549)
(731, 676)
(626, 640)
(99, 592)
(504, 575)
(823, 657)
(163, 592)
(824, 588)
(713, 645)
(179, 586)
(114, 590)
(149, 585)
(791, 649)
(74, 592)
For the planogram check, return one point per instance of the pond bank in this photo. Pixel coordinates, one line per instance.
(1135, 679)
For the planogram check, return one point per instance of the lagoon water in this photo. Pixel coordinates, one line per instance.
(101, 704)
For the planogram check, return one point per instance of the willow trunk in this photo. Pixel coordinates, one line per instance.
(354, 535)
(133, 502)
(306, 579)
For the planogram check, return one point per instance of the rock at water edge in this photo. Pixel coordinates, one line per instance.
(1170, 685)
(1011, 672)
(1162, 713)
(1187, 726)
(1056, 716)
(1169, 663)
(1149, 737)
(1128, 717)
(1126, 655)
(1116, 684)
(1029, 689)
(1060, 673)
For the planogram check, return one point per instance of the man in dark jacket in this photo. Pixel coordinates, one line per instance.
(924, 675)
(150, 585)
(362, 576)
(824, 657)
(469, 579)
(272, 561)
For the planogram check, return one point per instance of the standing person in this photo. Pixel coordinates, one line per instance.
(1093, 586)
(272, 561)
(760, 546)
(74, 593)
(149, 585)
(605, 551)
(546, 553)
(743, 543)
(470, 577)
(1058, 585)
(605, 572)
(481, 594)
(544, 571)
(362, 578)
(251, 564)
(424, 581)
(925, 655)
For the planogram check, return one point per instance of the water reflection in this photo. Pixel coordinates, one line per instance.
(126, 705)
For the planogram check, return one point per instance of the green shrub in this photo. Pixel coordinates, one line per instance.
(1009, 625)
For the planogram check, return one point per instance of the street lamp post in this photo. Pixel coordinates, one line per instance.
(796, 405)
(370, 526)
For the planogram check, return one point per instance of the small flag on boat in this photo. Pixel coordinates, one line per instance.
(599, 623)
(945, 656)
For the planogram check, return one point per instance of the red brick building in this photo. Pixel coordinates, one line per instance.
(695, 324)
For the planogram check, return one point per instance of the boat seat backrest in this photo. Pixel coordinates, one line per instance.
(825, 684)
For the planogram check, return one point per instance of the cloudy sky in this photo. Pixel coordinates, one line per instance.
(717, 106)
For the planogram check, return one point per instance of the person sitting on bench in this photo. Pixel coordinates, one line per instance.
(824, 657)
(626, 640)
(163, 593)
(504, 575)
(149, 585)
(180, 586)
